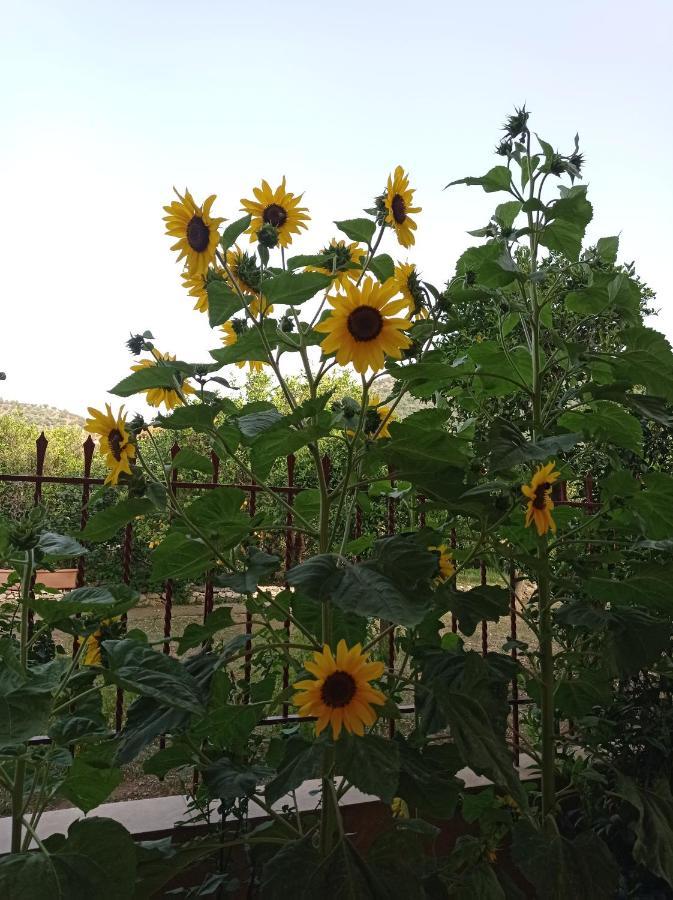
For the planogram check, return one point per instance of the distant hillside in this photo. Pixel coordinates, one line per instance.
(407, 404)
(40, 414)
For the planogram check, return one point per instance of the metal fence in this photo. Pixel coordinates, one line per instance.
(293, 554)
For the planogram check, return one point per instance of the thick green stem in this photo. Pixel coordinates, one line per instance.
(547, 676)
(20, 768)
(544, 592)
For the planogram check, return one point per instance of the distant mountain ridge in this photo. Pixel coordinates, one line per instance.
(40, 414)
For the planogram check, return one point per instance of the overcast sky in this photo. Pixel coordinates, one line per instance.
(105, 106)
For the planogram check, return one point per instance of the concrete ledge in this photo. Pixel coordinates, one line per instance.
(159, 816)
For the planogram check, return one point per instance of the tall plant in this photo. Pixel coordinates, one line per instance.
(597, 610)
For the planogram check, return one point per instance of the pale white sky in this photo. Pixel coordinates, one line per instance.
(104, 106)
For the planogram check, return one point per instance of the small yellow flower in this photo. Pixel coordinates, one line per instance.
(195, 229)
(540, 504)
(447, 567)
(196, 287)
(345, 264)
(398, 200)
(409, 285)
(91, 652)
(167, 396)
(114, 443)
(243, 271)
(278, 208)
(376, 414)
(399, 808)
(229, 338)
(341, 694)
(363, 328)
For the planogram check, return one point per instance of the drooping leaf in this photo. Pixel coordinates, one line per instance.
(223, 303)
(498, 178)
(195, 633)
(360, 230)
(59, 546)
(234, 230)
(107, 522)
(293, 289)
(101, 602)
(370, 763)
(136, 667)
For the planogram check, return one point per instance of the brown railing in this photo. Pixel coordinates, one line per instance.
(293, 554)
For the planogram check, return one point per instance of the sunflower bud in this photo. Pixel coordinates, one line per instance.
(268, 236)
(287, 324)
(516, 125)
(25, 534)
(557, 164)
(372, 421)
(504, 148)
(136, 344)
(137, 485)
(239, 326)
(137, 424)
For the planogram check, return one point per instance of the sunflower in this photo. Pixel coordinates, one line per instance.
(540, 504)
(115, 442)
(397, 201)
(362, 327)
(376, 415)
(345, 262)
(447, 568)
(277, 208)
(167, 396)
(408, 283)
(196, 286)
(195, 229)
(230, 331)
(91, 655)
(340, 695)
(244, 271)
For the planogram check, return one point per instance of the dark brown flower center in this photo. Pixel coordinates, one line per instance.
(338, 689)
(365, 323)
(115, 440)
(275, 215)
(399, 209)
(540, 501)
(198, 234)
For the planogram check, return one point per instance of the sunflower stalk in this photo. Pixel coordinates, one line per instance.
(548, 687)
(18, 805)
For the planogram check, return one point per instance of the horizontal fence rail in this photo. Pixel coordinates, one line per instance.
(293, 555)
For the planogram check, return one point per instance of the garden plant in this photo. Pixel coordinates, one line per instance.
(562, 373)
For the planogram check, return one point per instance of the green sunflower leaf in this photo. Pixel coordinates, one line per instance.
(190, 459)
(149, 377)
(101, 602)
(107, 522)
(382, 266)
(233, 231)
(292, 289)
(498, 178)
(360, 230)
(606, 422)
(321, 260)
(249, 345)
(222, 303)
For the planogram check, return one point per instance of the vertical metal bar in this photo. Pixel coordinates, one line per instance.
(208, 594)
(40, 455)
(516, 734)
(289, 558)
(168, 588)
(88, 448)
(454, 620)
(390, 529)
(247, 669)
(126, 578)
(484, 623)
